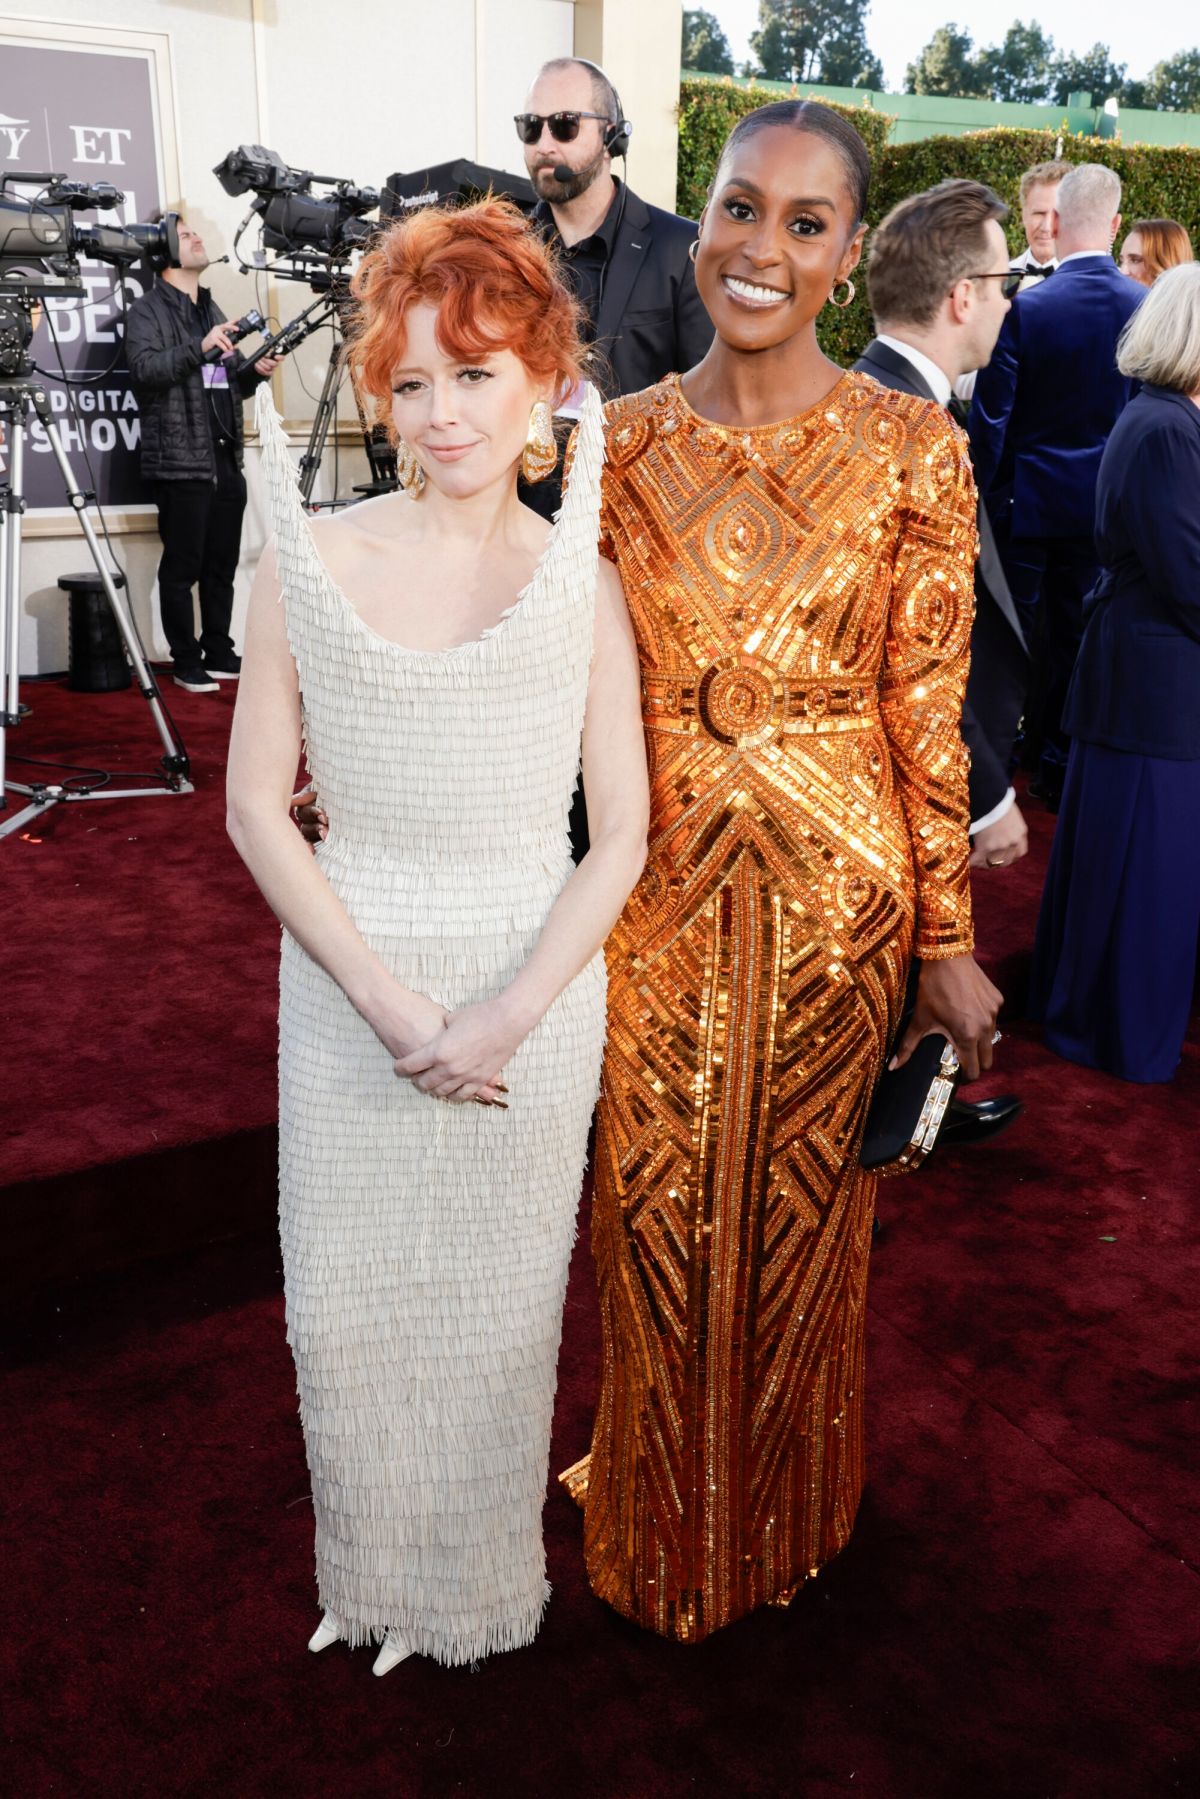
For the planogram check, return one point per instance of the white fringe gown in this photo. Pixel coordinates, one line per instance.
(425, 1244)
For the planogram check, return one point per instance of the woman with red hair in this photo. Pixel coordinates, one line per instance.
(1153, 245)
(442, 987)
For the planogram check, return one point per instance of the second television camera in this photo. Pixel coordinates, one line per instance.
(295, 221)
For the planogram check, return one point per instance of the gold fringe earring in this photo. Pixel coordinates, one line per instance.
(409, 472)
(540, 455)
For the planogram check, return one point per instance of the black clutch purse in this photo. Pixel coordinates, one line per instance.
(909, 1105)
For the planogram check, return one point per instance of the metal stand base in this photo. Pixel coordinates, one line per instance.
(21, 397)
(42, 798)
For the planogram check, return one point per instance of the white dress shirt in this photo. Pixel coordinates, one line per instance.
(1027, 256)
(935, 378)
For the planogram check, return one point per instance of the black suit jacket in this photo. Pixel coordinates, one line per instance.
(650, 322)
(1137, 676)
(651, 319)
(999, 656)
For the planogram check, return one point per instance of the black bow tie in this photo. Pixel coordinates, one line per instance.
(957, 410)
(1039, 268)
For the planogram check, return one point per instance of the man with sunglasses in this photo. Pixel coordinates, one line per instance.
(940, 287)
(628, 261)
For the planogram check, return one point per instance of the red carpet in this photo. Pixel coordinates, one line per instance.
(1015, 1616)
(137, 961)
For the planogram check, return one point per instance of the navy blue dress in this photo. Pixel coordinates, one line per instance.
(1115, 961)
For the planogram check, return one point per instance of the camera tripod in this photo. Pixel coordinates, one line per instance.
(333, 306)
(22, 397)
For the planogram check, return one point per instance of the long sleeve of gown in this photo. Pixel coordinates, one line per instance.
(924, 678)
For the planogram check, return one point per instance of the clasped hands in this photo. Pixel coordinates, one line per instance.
(457, 1056)
(452, 1055)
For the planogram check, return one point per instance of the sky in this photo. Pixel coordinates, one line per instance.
(1138, 35)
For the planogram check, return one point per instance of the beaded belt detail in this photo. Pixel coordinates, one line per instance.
(744, 700)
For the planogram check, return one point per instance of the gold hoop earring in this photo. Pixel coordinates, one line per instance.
(539, 458)
(409, 472)
(692, 249)
(842, 304)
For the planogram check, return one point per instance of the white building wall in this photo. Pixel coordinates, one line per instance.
(356, 88)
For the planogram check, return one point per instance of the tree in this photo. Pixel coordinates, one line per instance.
(850, 62)
(705, 46)
(815, 40)
(946, 65)
(1174, 85)
(1093, 73)
(1019, 69)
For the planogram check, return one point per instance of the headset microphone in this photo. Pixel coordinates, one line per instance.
(216, 260)
(564, 172)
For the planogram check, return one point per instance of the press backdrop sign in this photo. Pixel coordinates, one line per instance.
(89, 115)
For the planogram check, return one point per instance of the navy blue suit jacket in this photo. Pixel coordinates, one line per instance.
(1136, 685)
(1046, 402)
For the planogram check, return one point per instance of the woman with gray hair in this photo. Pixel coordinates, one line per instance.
(1115, 962)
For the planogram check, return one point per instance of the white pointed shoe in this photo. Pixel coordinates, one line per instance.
(328, 1631)
(394, 1650)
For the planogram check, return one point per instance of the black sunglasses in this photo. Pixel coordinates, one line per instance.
(1009, 281)
(564, 126)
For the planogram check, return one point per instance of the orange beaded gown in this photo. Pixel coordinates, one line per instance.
(802, 597)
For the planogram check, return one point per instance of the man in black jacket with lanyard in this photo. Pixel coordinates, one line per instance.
(191, 416)
(938, 278)
(628, 262)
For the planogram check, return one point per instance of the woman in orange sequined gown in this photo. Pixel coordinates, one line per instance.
(802, 597)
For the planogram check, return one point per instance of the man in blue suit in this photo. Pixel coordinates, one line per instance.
(1041, 416)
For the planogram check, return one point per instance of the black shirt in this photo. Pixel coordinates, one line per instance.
(585, 263)
(221, 396)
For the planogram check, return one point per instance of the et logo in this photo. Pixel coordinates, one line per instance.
(93, 143)
(13, 133)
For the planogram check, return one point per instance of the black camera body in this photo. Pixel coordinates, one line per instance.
(295, 221)
(240, 328)
(41, 238)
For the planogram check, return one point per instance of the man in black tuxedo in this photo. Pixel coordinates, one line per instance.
(938, 279)
(1039, 217)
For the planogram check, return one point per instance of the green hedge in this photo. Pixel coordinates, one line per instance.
(1156, 182)
(708, 111)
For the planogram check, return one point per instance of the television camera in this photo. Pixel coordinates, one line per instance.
(296, 223)
(42, 241)
(314, 236)
(41, 244)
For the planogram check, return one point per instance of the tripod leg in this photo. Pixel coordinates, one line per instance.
(175, 761)
(381, 458)
(310, 462)
(11, 506)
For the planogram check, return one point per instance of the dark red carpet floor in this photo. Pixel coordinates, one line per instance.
(1017, 1613)
(136, 962)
